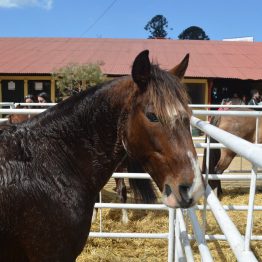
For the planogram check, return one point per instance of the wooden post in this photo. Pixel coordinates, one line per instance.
(53, 90)
(25, 88)
(1, 91)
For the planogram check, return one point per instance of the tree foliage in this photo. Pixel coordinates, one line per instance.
(74, 78)
(156, 27)
(193, 33)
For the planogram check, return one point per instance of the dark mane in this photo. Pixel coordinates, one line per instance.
(170, 101)
(70, 104)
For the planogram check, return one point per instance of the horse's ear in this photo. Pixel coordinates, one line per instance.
(180, 69)
(141, 69)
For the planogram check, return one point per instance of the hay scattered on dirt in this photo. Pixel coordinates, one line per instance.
(114, 250)
(128, 249)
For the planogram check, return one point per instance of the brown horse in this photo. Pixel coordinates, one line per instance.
(220, 159)
(15, 118)
(54, 164)
(18, 118)
(142, 188)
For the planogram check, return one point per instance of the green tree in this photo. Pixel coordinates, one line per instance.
(74, 78)
(193, 33)
(156, 27)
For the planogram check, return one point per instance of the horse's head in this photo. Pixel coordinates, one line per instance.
(158, 131)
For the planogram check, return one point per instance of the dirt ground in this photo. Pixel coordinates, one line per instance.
(114, 250)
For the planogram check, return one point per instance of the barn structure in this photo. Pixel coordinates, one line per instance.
(217, 69)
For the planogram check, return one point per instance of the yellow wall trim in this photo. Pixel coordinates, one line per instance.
(25, 77)
(198, 81)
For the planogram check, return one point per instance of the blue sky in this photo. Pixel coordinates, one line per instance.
(127, 18)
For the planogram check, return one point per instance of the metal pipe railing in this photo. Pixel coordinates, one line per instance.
(179, 251)
(171, 236)
(34, 104)
(242, 147)
(184, 236)
(22, 111)
(220, 237)
(229, 177)
(251, 201)
(163, 207)
(200, 237)
(227, 113)
(229, 229)
(224, 106)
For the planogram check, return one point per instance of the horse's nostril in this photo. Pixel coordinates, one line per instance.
(183, 190)
(168, 190)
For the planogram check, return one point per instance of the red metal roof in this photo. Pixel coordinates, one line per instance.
(208, 59)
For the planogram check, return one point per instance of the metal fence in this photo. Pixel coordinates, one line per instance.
(238, 243)
(179, 246)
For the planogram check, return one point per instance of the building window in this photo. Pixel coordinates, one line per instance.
(38, 86)
(11, 85)
(196, 92)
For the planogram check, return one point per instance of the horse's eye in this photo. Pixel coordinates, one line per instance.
(152, 117)
(186, 121)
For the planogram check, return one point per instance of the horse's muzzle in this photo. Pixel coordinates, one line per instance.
(183, 200)
(186, 201)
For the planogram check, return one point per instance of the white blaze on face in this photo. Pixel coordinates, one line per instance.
(197, 189)
(172, 113)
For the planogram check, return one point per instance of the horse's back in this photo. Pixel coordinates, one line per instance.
(243, 127)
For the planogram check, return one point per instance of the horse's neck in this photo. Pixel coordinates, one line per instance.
(94, 138)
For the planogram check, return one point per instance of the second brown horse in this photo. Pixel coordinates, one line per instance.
(220, 159)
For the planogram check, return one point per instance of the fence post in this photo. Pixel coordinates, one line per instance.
(171, 234)
(229, 229)
(250, 211)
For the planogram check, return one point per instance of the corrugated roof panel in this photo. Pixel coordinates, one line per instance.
(242, 60)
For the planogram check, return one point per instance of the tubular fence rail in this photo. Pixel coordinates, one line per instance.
(179, 240)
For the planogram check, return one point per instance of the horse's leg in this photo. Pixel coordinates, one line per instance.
(214, 157)
(122, 194)
(225, 160)
(223, 163)
(216, 186)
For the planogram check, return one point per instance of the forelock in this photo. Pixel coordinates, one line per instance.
(168, 96)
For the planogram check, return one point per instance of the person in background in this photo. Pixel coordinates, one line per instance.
(255, 97)
(43, 98)
(29, 99)
(244, 99)
(235, 95)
